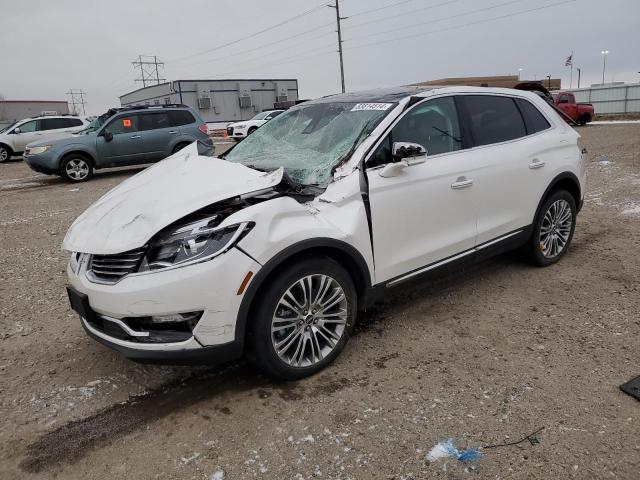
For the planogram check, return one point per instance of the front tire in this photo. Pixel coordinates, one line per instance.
(251, 130)
(303, 319)
(76, 169)
(5, 153)
(553, 229)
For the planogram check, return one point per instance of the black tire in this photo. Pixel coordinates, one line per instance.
(261, 341)
(251, 130)
(5, 153)
(535, 249)
(178, 147)
(83, 172)
(582, 121)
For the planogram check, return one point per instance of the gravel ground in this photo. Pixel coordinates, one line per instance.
(486, 356)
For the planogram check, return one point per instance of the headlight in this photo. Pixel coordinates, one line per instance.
(239, 126)
(37, 150)
(191, 243)
(74, 261)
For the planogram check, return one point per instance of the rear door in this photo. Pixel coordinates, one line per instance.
(126, 147)
(158, 135)
(511, 157)
(427, 212)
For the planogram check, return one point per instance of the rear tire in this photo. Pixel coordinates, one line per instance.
(5, 153)
(553, 229)
(302, 319)
(76, 168)
(179, 147)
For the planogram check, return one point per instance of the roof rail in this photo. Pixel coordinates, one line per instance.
(151, 107)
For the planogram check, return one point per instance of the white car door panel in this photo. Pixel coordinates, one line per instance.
(425, 212)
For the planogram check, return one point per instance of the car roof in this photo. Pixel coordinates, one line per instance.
(378, 95)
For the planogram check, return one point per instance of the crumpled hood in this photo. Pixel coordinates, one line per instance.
(130, 214)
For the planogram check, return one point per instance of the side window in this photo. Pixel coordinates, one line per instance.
(128, 124)
(432, 124)
(74, 122)
(564, 98)
(54, 123)
(494, 119)
(533, 119)
(154, 121)
(180, 117)
(28, 127)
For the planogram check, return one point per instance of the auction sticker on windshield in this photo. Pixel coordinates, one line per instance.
(371, 106)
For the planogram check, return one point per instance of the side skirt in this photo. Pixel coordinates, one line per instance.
(504, 243)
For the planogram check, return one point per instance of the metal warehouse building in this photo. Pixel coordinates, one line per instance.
(12, 110)
(218, 100)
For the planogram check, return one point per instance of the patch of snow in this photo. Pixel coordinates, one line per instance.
(217, 475)
(186, 460)
(308, 439)
(631, 209)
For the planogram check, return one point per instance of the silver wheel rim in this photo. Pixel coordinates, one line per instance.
(309, 320)
(3, 154)
(77, 169)
(556, 228)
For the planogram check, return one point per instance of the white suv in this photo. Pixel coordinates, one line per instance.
(15, 137)
(273, 249)
(240, 130)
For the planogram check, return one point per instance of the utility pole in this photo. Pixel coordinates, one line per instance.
(149, 69)
(76, 98)
(579, 71)
(338, 19)
(549, 78)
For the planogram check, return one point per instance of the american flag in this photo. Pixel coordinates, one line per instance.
(569, 61)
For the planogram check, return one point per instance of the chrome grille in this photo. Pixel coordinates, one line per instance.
(111, 268)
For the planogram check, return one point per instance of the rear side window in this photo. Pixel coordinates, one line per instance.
(180, 117)
(154, 121)
(533, 119)
(54, 123)
(494, 119)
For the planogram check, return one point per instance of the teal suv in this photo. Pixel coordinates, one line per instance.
(120, 137)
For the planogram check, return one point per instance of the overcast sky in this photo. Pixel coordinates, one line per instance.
(49, 46)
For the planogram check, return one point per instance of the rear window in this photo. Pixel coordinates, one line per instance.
(533, 119)
(494, 119)
(180, 117)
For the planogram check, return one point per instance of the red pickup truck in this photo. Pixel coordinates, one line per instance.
(581, 113)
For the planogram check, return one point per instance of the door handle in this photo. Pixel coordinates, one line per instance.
(173, 131)
(462, 182)
(535, 163)
(135, 136)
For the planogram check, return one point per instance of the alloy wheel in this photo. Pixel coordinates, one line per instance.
(4, 154)
(77, 169)
(309, 320)
(556, 228)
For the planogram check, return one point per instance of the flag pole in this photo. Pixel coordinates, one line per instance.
(571, 77)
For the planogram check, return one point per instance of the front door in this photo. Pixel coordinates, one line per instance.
(28, 133)
(125, 147)
(427, 212)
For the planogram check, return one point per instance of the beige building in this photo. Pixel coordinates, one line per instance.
(504, 81)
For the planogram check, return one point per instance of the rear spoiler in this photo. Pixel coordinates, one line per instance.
(539, 89)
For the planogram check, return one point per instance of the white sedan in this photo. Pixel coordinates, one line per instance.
(245, 128)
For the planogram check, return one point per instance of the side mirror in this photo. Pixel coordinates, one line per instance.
(402, 150)
(405, 155)
(108, 136)
(17, 130)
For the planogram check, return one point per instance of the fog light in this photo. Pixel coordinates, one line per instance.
(177, 317)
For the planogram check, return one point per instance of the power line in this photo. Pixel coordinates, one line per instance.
(149, 74)
(238, 40)
(282, 61)
(76, 99)
(463, 14)
(249, 50)
(339, 32)
(402, 14)
(366, 12)
(455, 27)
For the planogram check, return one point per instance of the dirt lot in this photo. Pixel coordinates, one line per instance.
(485, 357)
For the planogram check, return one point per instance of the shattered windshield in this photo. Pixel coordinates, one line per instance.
(309, 140)
(94, 125)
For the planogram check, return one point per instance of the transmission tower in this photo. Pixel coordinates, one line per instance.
(76, 100)
(149, 66)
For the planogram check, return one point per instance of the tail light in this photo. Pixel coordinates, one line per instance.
(204, 128)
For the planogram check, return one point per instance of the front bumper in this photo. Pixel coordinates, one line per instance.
(210, 287)
(45, 162)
